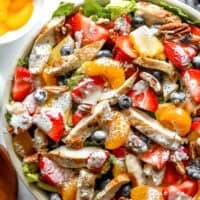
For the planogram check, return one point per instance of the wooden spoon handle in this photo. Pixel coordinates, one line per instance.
(8, 178)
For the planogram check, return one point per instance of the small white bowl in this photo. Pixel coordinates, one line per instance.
(16, 34)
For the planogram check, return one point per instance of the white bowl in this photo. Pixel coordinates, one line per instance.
(40, 195)
(16, 34)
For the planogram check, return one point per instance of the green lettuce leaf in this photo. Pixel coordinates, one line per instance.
(176, 10)
(64, 9)
(120, 7)
(23, 61)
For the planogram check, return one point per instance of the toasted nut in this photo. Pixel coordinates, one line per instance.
(180, 167)
(31, 159)
(192, 150)
(56, 89)
(10, 129)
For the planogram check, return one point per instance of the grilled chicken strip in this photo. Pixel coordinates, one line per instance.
(71, 158)
(85, 183)
(78, 135)
(112, 187)
(160, 65)
(113, 95)
(134, 168)
(153, 129)
(42, 47)
(154, 14)
(69, 63)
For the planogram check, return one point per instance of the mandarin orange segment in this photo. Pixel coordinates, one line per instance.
(118, 168)
(174, 118)
(3, 29)
(68, 190)
(107, 68)
(193, 136)
(18, 19)
(144, 192)
(119, 129)
(48, 79)
(17, 5)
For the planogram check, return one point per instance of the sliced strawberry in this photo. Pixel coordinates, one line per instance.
(196, 125)
(188, 187)
(51, 122)
(120, 152)
(191, 79)
(179, 55)
(195, 30)
(23, 83)
(156, 156)
(146, 99)
(91, 32)
(86, 87)
(82, 111)
(171, 175)
(124, 44)
(96, 160)
(120, 56)
(51, 172)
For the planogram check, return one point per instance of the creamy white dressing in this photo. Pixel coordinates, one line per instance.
(29, 103)
(96, 159)
(23, 121)
(39, 57)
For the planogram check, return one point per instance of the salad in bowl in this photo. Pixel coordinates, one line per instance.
(106, 103)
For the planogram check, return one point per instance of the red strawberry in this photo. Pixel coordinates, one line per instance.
(191, 79)
(120, 152)
(124, 45)
(195, 30)
(156, 156)
(96, 160)
(146, 99)
(91, 32)
(86, 87)
(51, 122)
(51, 172)
(196, 125)
(23, 84)
(82, 111)
(179, 55)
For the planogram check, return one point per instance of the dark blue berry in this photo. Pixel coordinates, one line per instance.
(101, 183)
(40, 95)
(177, 96)
(104, 53)
(61, 80)
(125, 190)
(193, 169)
(124, 102)
(54, 196)
(98, 137)
(66, 50)
(196, 62)
(137, 21)
(158, 75)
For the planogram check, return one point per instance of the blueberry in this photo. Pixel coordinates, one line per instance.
(125, 190)
(193, 169)
(158, 75)
(99, 137)
(66, 50)
(61, 80)
(40, 95)
(101, 183)
(177, 96)
(187, 38)
(196, 62)
(124, 102)
(104, 53)
(137, 21)
(54, 196)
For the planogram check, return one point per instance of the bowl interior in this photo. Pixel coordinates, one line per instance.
(8, 140)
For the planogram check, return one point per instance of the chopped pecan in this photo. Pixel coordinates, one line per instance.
(192, 150)
(61, 30)
(198, 146)
(180, 167)
(175, 30)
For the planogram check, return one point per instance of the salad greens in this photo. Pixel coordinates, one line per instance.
(64, 9)
(23, 61)
(31, 172)
(176, 10)
(112, 10)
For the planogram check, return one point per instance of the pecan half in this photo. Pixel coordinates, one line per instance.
(174, 30)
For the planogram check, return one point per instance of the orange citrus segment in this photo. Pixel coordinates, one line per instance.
(144, 192)
(18, 19)
(107, 68)
(3, 29)
(68, 190)
(48, 79)
(193, 136)
(119, 129)
(174, 118)
(17, 5)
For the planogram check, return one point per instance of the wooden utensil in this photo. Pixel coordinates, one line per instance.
(8, 178)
